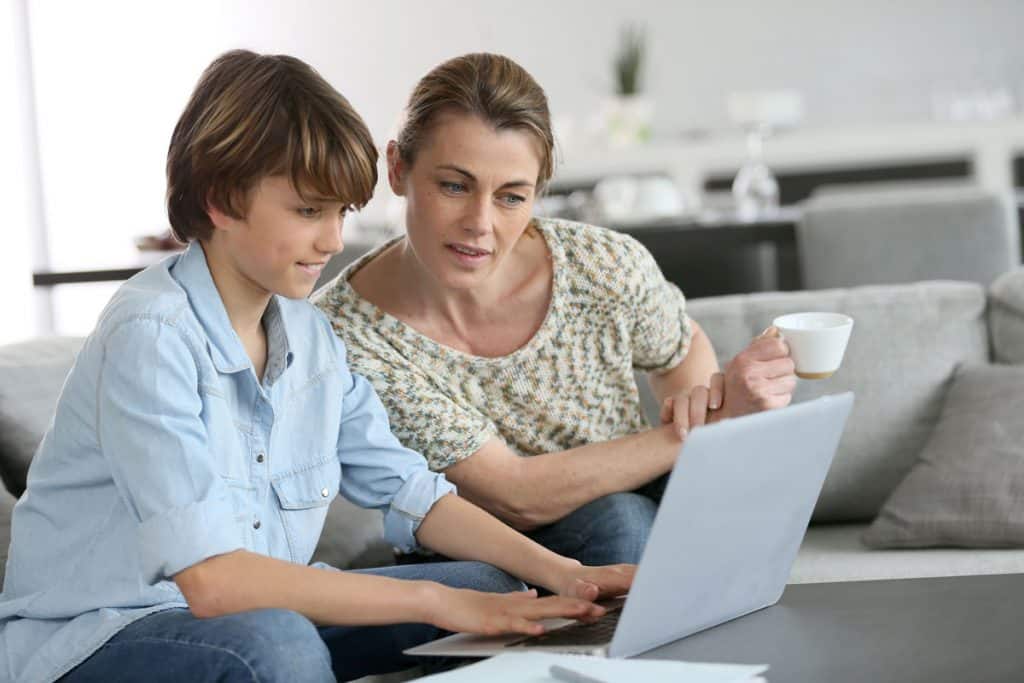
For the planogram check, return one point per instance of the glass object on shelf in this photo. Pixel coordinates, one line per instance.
(755, 190)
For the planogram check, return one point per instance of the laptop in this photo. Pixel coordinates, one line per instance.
(728, 528)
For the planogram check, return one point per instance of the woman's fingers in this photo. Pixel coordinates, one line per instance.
(767, 348)
(689, 409)
(698, 406)
(716, 395)
(783, 386)
(681, 414)
(780, 367)
(667, 410)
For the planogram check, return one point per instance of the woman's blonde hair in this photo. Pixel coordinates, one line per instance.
(489, 86)
(253, 116)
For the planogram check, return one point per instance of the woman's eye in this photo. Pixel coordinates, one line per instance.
(457, 188)
(308, 212)
(513, 199)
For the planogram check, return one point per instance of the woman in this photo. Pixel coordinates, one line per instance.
(504, 346)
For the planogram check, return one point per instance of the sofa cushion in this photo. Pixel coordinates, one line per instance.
(353, 538)
(907, 342)
(1006, 317)
(834, 552)
(967, 489)
(31, 377)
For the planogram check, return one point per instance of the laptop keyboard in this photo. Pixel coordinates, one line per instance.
(577, 633)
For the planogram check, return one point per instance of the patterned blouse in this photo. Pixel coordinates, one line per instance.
(611, 312)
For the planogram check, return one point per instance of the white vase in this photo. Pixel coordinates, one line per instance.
(627, 120)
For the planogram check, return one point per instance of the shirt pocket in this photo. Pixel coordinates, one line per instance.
(304, 496)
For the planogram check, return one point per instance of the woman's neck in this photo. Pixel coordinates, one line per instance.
(491, 320)
(464, 309)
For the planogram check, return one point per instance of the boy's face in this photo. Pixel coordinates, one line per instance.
(283, 242)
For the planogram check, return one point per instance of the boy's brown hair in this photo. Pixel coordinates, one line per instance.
(253, 116)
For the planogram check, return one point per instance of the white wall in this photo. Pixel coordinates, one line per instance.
(18, 178)
(112, 76)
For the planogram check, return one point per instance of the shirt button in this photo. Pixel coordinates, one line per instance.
(324, 492)
(259, 458)
(256, 524)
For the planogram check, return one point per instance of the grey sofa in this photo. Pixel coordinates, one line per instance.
(906, 344)
(908, 340)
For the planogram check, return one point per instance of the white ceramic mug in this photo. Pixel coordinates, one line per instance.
(817, 341)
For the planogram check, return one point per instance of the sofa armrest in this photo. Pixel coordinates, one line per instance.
(32, 375)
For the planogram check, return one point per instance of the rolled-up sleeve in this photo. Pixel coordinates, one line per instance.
(149, 414)
(377, 470)
(661, 328)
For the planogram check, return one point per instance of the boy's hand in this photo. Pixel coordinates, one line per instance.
(595, 583)
(469, 611)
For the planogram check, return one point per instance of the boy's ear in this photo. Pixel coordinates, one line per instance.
(396, 169)
(219, 219)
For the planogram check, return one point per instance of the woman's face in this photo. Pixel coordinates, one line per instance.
(469, 196)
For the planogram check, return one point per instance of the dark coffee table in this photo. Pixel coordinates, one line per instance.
(957, 629)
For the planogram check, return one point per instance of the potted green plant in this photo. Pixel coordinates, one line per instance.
(628, 114)
(629, 60)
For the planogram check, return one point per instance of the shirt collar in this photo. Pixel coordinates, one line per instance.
(193, 274)
(279, 353)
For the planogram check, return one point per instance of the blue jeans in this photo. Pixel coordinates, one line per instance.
(609, 530)
(274, 644)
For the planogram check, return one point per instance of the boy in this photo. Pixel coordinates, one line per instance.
(173, 507)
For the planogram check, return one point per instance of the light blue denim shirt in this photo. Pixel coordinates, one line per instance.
(167, 450)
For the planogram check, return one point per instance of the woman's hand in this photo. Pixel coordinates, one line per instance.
(760, 377)
(691, 407)
(595, 583)
(469, 611)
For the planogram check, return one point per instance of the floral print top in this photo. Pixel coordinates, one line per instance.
(611, 312)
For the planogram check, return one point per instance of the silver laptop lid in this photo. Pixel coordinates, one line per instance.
(730, 523)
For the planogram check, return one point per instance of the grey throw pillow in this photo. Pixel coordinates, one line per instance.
(967, 488)
(31, 377)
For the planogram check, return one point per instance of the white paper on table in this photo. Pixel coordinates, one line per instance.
(533, 667)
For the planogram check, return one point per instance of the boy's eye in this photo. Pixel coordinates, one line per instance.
(308, 212)
(455, 188)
